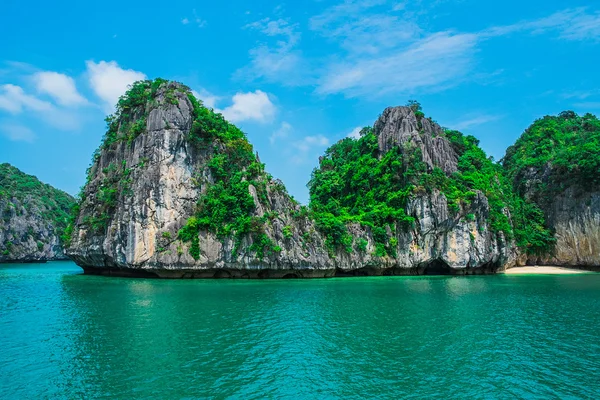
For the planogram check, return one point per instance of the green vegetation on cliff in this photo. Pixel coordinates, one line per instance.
(19, 190)
(226, 208)
(353, 185)
(567, 147)
(356, 183)
(128, 122)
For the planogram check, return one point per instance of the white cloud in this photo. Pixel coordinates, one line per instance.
(582, 27)
(109, 81)
(18, 133)
(365, 27)
(355, 134)
(382, 48)
(208, 99)
(283, 132)
(250, 106)
(14, 99)
(474, 121)
(59, 86)
(570, 24)
(437, 61)
(185, 21)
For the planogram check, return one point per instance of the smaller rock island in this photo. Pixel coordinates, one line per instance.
(34, 216)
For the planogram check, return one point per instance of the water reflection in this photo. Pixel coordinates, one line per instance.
(78, 336)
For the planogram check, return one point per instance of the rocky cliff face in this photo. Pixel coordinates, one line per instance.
(438, 244)
(556, 164)
(157, 180)
(400, 127)
(440, 241)
(33, 216)
(573, 213)
(157, 177)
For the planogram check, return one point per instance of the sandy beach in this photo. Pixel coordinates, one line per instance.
(544, 270)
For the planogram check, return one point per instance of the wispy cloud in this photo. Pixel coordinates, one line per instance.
(199, 22)
(474, 120)
(568, 24)
(307, 145)
(52, 97)
(277, 59)
(439, 60)
(362, 27)
(281, 133)
(581, 94)
(588, 105)
(17, 133)
(60, 87)
(384, 48)
(14, 100)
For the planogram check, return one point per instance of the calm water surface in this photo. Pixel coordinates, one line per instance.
(66, 335)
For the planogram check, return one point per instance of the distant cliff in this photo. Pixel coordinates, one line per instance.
(33, 218)
(176, 191)
(556, 164)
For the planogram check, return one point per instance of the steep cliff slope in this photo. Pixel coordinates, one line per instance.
(419, 199)
(177, 191)
(34, 216)
(556, 164)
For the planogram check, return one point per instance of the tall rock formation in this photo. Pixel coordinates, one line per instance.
(168, 170)
(574, 216)
(556, 164)
(34, 215)
(176, 191)
(436, 235)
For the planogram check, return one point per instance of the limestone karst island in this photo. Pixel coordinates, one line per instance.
(329, 199)
(176, 191)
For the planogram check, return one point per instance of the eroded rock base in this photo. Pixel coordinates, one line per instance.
(284, 273)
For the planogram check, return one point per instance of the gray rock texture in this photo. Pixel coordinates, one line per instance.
(399, 126)
(25, 235)
(167, 176)
(573, 212)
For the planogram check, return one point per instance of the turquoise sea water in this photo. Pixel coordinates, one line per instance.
(66, 335)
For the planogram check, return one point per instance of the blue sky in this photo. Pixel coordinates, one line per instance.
(294, 76)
